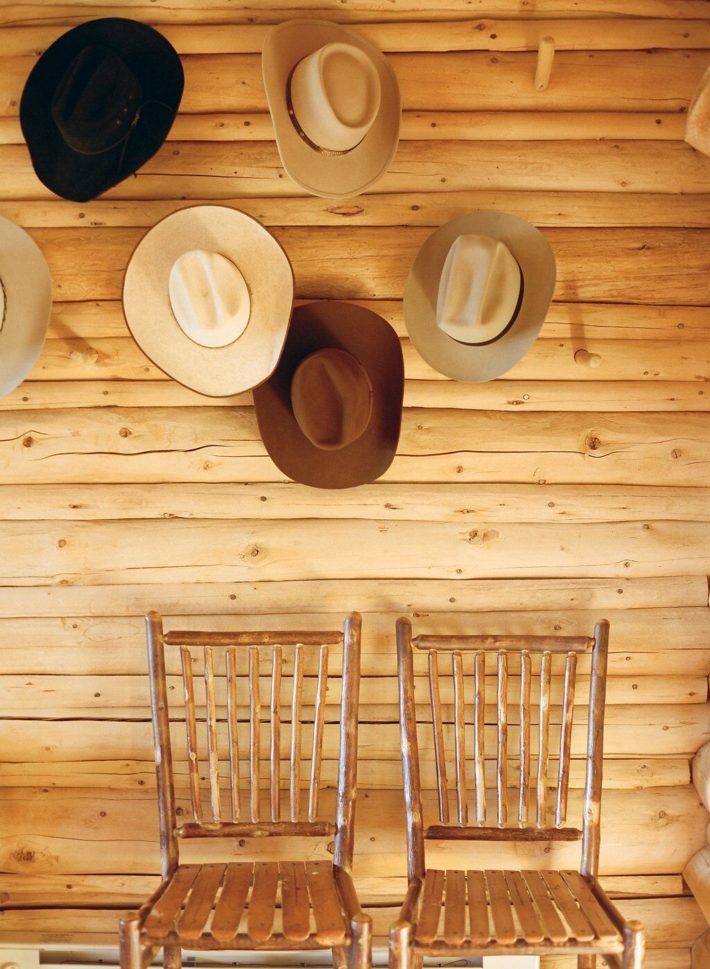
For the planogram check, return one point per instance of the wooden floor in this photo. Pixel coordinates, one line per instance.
(574, 488)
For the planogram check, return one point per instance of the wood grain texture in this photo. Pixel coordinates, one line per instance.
(576, 487)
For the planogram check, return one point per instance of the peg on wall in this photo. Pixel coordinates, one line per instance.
(545, 57)
(587, 359)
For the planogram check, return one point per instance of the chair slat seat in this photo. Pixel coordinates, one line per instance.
(511, 908)
(248, 903)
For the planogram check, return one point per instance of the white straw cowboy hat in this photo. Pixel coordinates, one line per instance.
(477, 294)
(207, 296)
(335, 106)
(25, 304)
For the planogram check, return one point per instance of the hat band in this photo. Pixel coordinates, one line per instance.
(124, 137)
(302, 134)
(498, 336)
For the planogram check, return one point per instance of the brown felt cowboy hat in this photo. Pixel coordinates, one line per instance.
(335, 106)
(25, 304)
(331, 412)
(207, 296)
(477, 294)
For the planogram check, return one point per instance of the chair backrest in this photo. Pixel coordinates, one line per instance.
(249, 711)
(491, 730)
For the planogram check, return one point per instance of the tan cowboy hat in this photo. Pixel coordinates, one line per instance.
(335, 106)
(477, 294)
(25, 304)
(207, 295)
(331, 412)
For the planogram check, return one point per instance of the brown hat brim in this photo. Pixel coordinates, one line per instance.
(325, 175)
(375, 345)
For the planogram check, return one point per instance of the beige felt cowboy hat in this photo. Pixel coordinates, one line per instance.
(477, 294)
(335, 106)
(331, 412)
(25, 304)
(207, 295)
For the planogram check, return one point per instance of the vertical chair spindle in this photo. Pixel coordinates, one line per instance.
(319, 718)
(565, 738)
(543, 739)
(213, 753)
(191, 730)
(502, 772)
(232, 725)
(439, 752)
(296, 733)
(275, 751)
(460, 737)
(524, 786)
(479, 726)
(254, 729)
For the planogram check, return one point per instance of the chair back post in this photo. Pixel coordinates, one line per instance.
(410, 751)
(347, 768)
(595, 752)
(161, 741)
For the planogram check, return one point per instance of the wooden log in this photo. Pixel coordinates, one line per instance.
(545, 59)
(438, 126)
(121, 359)
(543, 207)
(696, 875)
(564, 320)
(205, 170)
(243, 12)
(503, 395)
(624, 265)
(417, 35)
(701, 774)
(47, 554)
(513, 595)
(449, 81)
(107, 446)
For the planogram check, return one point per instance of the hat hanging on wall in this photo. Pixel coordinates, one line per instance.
(330, 414)
(98, 104)
(25, 304)
(477, 294)
(335, 106)
(207, 296)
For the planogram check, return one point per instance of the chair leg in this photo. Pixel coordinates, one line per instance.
(172, 957)
(400, 954)
(634, 946)
(339, 959)
(586, 962)
(130, 952)
(360, 953)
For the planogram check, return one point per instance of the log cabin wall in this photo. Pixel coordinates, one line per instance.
(575, 487)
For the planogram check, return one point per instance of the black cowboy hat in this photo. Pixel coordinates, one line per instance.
(98, 104)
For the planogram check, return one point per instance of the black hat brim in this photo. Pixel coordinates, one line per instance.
(156, 64)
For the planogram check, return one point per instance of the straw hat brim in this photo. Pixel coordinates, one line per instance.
(478, 363)
(252, 357)
(375, 345)
(328, 176)
(28, 302)
(152, 59)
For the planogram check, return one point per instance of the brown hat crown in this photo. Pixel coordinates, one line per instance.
(331, 397)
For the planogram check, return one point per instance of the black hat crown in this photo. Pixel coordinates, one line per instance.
(97, 101)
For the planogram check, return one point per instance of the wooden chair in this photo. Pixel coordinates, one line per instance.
(247, 904)
(487, 912)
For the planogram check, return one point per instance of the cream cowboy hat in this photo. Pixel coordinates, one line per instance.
(207, 296)
(477, 294)
(335, 106)
(25, 304)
